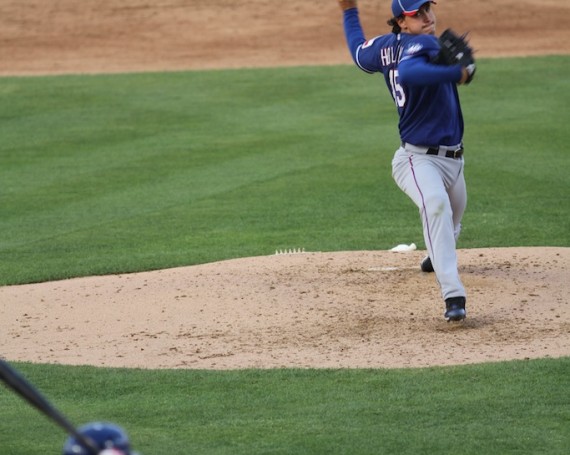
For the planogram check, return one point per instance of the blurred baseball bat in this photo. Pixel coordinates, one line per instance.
(28, 392)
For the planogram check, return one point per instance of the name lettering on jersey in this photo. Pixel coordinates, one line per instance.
(388, 55)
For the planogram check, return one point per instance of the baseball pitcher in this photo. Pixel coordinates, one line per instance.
(422, 73)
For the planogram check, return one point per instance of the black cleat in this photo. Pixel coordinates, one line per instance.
(426, 265)
(455, 309)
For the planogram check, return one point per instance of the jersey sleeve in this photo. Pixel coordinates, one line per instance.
(416, 67)
(363, 52)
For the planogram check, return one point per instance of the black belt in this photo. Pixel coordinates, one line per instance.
(441, 151)
(448, 154)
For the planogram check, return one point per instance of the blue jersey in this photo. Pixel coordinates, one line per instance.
(424, 93)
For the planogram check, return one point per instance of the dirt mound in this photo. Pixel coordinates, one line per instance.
(347, 309)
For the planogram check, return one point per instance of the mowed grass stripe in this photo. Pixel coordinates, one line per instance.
(122, 173)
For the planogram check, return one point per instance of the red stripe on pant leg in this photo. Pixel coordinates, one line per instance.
(424, 211)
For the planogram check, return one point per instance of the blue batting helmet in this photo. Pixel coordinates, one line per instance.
(104, 435)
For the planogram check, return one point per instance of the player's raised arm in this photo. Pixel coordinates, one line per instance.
(352, 28)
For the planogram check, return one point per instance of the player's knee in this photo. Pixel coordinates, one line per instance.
(437, 206)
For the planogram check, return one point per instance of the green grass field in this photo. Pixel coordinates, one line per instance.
(506, 408)
(123, 173)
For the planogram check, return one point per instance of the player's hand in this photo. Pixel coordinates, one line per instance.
(347, 4)
(468, 74)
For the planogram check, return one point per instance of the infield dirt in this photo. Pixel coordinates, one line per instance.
(343, 309)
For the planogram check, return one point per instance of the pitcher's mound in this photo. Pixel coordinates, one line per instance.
(337, 310)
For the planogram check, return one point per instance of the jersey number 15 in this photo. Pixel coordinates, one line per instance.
(397, 89)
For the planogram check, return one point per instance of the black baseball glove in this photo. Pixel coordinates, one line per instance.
(455, 50)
